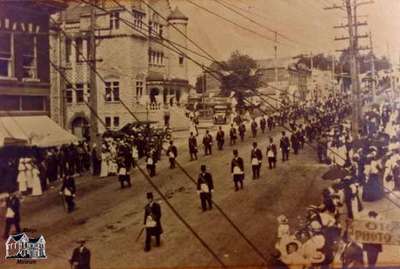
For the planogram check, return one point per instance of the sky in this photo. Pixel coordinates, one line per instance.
(305, 25)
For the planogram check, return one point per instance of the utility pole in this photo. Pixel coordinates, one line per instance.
(94, 130)
(372, 62)
(352, 26)
(276, 57)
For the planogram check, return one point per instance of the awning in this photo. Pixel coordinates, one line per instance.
(38, 131)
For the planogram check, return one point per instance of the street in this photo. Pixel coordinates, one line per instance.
(110, 218)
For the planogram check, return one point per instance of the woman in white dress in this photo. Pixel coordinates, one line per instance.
(28, 173)
(104, 163)
(21, 179)
(36, 187)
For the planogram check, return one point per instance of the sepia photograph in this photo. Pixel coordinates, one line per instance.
(181, 134)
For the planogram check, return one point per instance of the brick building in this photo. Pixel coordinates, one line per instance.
(136, 68)
(24, 57)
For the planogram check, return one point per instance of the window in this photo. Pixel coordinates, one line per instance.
(68, 94)
(33, 103)
(156, 57)
(9, 102)
(114, 20)
(79, 93)
(181, 59)
(6, 55)
(112, 91)
(139, 88)
(108, 122)
(137, 20)
(78, 49)
(155, 29)
(161, 31)
(29, 56)
(116, 122)
(68, 50)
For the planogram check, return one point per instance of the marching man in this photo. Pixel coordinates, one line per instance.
(207, 142)
(68, 191)
(271, 153)
(152, 221)
(205, 187)
(192, 141)
(256, 159)
(220, 138)
(172, 153)
(237, 170)
(232, 135)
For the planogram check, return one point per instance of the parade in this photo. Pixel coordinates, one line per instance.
(286, 162)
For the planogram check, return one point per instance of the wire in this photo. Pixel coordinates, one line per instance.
(220, 2)
(236, 24)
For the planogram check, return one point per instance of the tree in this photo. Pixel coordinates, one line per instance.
(239, 76)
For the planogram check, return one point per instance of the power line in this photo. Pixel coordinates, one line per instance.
(234, 23)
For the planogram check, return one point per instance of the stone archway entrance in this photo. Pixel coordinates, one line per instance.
(80, 127)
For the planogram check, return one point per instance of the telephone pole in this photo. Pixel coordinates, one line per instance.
(372, 62)
(94, 130)
(276, 57)
(353, 37)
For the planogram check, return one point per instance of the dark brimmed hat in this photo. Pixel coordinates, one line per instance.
(81, 241)
(149, 195)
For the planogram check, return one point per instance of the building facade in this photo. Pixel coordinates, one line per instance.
(132, 63)
(24, 57)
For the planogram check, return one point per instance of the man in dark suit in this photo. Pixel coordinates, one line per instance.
(192, 147)
(232, 135)
(284, 145)
(152, 221)
(256, 159)
(254, 127)
(205, 187)
(68, 190)
(242, 131)
(271, 153)
(207, 142)
(12, 215)
(220, 138)
(263, 124)
(80, 257)
(237, 170)
(172, 153)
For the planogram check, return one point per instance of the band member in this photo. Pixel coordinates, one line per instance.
(220, 138)
(205, 187)
(152, 221)
(271, 153)
(242, 131)
(68, 191)
(192, 147)
(284, 145)
(256, 159)
(207, 142)
(12, 215)
(237, 170)
(80, 256)
(172, 153)
(232, 135)
(254, 127)
(263, 124)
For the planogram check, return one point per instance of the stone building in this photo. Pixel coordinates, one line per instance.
(136, 68)
(24, 57)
